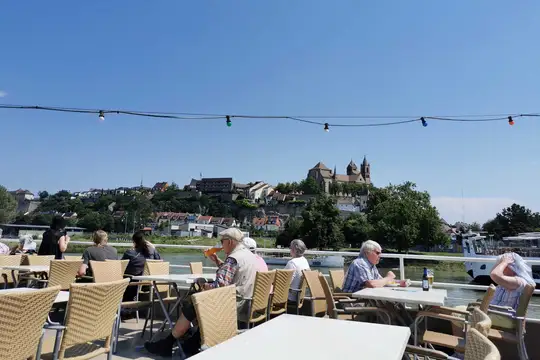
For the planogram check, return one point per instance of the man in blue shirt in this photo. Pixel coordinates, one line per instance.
(363, 270)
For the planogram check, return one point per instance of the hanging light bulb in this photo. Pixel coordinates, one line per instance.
(229, 122)
(424, 122)
(510, 121)
(326, 127)
(101, 115)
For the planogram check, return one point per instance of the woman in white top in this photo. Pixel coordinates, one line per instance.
(297, 263)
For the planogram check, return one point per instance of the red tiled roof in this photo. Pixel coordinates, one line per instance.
(259, 221)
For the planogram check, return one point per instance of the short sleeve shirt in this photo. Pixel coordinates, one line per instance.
(510, 298)
(360, 271)
(98, 253)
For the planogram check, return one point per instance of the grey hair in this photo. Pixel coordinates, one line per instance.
(299, 247)
(369, 246)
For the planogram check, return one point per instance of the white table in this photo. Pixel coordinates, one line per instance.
(26, 268)
(299, 337)
(409, 295)
(62, 297)
(182, 279)
(175, 280)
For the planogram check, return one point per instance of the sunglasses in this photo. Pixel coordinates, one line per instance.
(378, 252)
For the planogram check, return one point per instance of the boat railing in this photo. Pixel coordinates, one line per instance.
(401, 257)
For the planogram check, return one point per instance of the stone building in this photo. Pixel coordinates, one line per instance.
(325, 177)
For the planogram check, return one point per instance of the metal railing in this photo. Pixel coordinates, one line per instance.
(400, 257)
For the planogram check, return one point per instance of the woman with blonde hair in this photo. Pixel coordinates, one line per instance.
(100, 251)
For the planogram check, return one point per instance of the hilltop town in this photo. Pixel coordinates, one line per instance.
(203, 206)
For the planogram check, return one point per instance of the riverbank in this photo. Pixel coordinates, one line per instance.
(166, 240)
(414, 264)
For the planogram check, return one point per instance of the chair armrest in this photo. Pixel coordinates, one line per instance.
(449, 310)
(361, 309)
(140, 283)
(504, 313)
(56, 327)
(295, 290)
(86, 277)
(241, 331)
(36, 279)
(440, 316)
(502, 308)
(432, 354)
(342, 294)
(314, 297)
(347, 301)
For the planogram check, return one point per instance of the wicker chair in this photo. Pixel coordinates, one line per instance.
(91, 316)
(35, 260)
(479, 320)
(509, 325)
(216, 315)
(61, 273)
(107, 271)
(196, 267)
(258, 303)
(72, 257)
(478, 347)
(9, 260)
(123, 264)
(300, 294)
(280, 295)
(22, 316)
(337, 277)
(39, 259)
(348, 313)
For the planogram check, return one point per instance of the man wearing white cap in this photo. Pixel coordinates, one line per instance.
(251, 245)
(239, 268)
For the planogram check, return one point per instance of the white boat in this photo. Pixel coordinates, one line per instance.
(476, 245)
(319, 261)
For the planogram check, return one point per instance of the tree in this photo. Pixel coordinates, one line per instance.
(356, 229)
(310, 187)
(8, 206)
(475, 226)
(513, 220)
(43, 194)
(97, 221)
(293, 230)
(322, 225)
(403, 217)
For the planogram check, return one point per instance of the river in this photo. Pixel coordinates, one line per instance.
(455, 296)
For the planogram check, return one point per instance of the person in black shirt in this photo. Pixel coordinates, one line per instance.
(55, 240)
(137, 256)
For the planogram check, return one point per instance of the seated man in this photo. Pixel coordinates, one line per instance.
(251, 245)
(239, 268)
(363, 270)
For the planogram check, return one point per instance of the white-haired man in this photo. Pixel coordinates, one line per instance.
(239, 268)
(251, 245)
(363, 270)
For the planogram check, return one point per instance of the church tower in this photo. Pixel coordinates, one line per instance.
(366, 171)
(352, 169)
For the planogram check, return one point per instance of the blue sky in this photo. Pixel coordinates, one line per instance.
(277, 58)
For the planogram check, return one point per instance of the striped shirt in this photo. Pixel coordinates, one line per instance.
(510, 298)
(360, 271)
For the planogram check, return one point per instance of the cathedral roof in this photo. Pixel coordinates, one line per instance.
(320, 166)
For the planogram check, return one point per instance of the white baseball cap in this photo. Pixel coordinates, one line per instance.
(250, 243)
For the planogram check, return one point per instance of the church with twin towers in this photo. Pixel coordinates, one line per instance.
(325, 177)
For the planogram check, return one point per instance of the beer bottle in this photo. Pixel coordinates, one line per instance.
(425, 281)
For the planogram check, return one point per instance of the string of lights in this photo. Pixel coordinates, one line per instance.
(312, 120)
